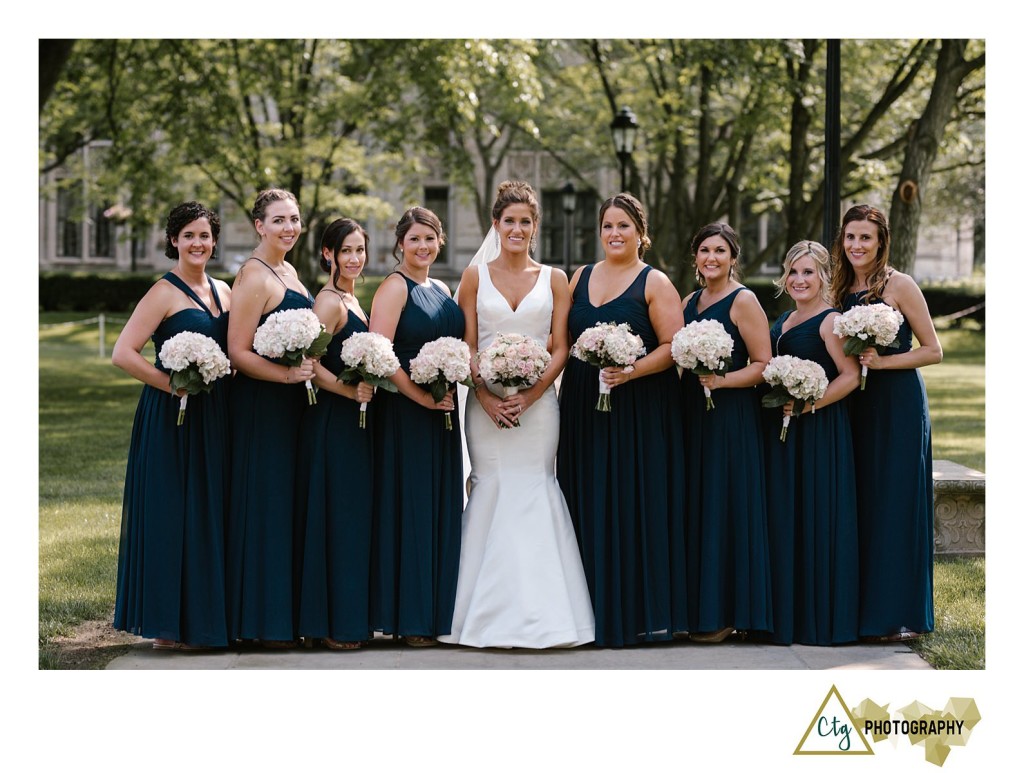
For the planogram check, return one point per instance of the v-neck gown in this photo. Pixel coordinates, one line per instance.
(170, 568)
(521, 580)
(727, 534)
(622, 477)
(418, 486)
(812, 507)
(266, 418)
(892, 448)
(334, 509)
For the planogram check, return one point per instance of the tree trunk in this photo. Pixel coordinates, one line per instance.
(923, 141)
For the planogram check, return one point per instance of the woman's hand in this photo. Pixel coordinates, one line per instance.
(364, 392)
(871, 358)
(616, 376)
(514, 406)
(712, 381)
(496, 409)
(297, 374)
(447, 402)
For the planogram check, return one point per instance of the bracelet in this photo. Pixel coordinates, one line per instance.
(477, 384)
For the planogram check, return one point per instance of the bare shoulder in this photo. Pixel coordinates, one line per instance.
(690, 295)
(746, 300)
(558, 278)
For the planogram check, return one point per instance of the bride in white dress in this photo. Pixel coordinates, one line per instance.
(521, 580)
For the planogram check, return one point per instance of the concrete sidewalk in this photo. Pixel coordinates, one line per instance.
(386, 653)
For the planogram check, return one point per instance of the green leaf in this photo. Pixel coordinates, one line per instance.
(319, 346)
(776, 398)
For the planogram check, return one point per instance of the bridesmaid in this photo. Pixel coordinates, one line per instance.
(892, 437)
(267, 403)
(729, 579)
(170, 567)
(622, 472)
(418, 486)
(812, 498)
(334, 493)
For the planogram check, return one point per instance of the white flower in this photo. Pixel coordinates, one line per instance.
(804, 380)
(446, 358)
(187, 349)
(878, 323)
(513, 360)
(287, 332)
(703, 345)
(370, 353)
(607, 344)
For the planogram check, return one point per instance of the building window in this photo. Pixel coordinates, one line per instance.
(69, 223)
(436, 199)
(101, 233)
(583, 242)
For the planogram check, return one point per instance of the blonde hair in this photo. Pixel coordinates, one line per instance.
(822, 262)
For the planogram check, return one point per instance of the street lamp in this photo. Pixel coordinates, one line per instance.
(568, 193)
(624, 130)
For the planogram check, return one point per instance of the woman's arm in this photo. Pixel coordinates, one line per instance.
(849, 373)
(387, 307)
(250, 297)
(666, 313)
(331, 310)
(149, 313)
(908, 298)
(750, 318)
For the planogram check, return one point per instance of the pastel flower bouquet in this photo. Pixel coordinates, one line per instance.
(704, 347)
(440, 365)
(514, 361)
(291, 336)
(796, 379)
(195, 361)
(607, 345)
(368, 357)
(874, 324)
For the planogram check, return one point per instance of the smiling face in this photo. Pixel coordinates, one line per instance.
(860, 244)
(714, 259)
(803, 282)
(619, 235)
(420, 246)
(515, 228)
(195, 242)
(280, 227)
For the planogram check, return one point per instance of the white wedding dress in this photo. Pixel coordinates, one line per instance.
(521, 580)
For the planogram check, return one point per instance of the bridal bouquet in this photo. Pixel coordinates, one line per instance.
(514, 361)
(368, 357)
(439, 366)
(875, 324)
(606, 345)
(291, 336)
(796, 379)
(195, 362)
(705, 348)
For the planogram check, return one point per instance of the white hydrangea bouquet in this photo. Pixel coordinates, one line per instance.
(607, 345)
(290, 336)
(796, 379)
(440, 365)
(705, 348)
(514, 361)
(195, 361)
(368, 357)
(874, 324)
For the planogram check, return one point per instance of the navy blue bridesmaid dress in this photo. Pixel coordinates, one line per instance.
(727, 523)
(170, 567)
(334, 508)
(266, 418)
(418, 487)
(892, 447)
(622, 477)
(812, 507)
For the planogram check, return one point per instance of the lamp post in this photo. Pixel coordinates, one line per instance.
(568, 193)
(624, 130)
(833, 143)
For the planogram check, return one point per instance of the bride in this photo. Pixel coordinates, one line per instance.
(521, 580)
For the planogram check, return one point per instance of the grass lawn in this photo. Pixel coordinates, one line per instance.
(86, 408)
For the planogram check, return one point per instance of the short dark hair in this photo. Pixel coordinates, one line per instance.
(181, 216)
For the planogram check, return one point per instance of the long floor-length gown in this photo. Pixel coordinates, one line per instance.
(727, 530)
(265, 421)
(521, 580)
(812, 507)
(622, 477)
(334, 509)
(892, 447)
(170, 569)
(418, 486)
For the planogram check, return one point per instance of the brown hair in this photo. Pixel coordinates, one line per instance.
(333, 237)
(629, 204)
(706, 232)
(268, 197)
(842, 272)
(822, 262)
(410, 217)
(517, 192)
